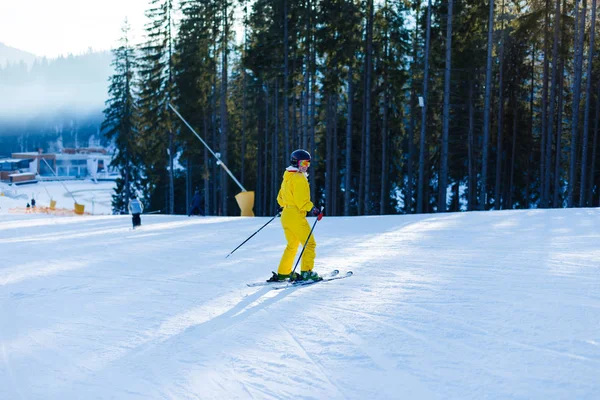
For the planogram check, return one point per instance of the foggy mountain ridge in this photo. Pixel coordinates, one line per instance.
(11, 55)
(52, 98)
(76, 83)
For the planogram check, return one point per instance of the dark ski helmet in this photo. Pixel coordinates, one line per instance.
(299, 155)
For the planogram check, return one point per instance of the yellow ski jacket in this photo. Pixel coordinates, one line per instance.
(294, 191)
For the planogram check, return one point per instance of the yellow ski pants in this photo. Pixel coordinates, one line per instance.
(296, 229)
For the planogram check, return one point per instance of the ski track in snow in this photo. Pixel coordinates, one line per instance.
(453, 306)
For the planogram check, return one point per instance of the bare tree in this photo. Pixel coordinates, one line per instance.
(443, 182)
(594, 149)
(408, 198)
(472, 180)
(348, 162)
(513, 152)
(383, 196)
(550, 122)
(420, 197)
(223, 138)
(586, 117)
(499, 150)
(486, 111)
(328, 152)
(559, 124)
(286, 109)
(369, 62)
(579, 26)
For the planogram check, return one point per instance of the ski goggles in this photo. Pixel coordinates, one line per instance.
(304, 163)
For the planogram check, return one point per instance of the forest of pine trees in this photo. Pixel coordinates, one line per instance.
(407, 106)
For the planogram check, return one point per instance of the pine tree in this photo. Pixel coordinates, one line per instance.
(120, 125)
(158, 125)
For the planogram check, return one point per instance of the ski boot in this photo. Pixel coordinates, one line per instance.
(283, 277)
(309, 276)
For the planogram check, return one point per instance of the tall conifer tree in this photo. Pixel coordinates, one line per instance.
(119, 123)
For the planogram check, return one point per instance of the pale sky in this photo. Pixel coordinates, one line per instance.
(58, 27)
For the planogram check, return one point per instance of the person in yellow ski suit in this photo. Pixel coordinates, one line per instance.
(294, 198)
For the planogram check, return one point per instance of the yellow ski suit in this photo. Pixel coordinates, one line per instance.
(294, 197)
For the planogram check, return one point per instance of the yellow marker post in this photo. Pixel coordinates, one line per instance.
(79, 209)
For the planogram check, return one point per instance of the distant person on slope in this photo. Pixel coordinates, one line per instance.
(294, 198)
(196, 201)
(135, 208)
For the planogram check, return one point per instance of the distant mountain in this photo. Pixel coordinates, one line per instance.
(14, 56)
(52, 98)
(76, 84)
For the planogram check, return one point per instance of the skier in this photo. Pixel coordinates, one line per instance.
(294, 198)
(196, 200)
(135, 208)
(32, 202)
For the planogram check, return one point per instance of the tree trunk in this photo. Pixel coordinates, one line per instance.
(214, 175)
(421, 184)
(348, 161)
(443, 183)
(171, 205)
(328, 151)
(384, 196)
(512, 156)
(361, 178)
(546, 136)
(169, 37)
(594, 150)
(472, 179)
(265, 186)
(313, 114)
(207, 202)
(559, 125)
(260, 155)
(286, 110)
(586, 117)
(486, 111)
(531, 96)
(275, 151)
(552, 102)
(245, 98)
(369, 55)
(499, 150)
(335, 187)
(188, 180)
(244, 111)
(223, 141)
(579, 18)
(408, 199)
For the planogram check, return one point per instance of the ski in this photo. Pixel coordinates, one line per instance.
(329, 275)
(306, 283)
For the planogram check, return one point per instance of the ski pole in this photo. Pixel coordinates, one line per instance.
(251, 236)
(309, 234)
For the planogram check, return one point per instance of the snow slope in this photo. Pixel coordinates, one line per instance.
(497, 305)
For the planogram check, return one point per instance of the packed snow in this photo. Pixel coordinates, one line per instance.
(498, 305)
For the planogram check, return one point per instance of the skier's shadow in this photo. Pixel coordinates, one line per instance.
(248, 306)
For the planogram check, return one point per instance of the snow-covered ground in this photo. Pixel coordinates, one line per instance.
(497, 305)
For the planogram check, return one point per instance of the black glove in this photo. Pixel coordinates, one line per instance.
(317, 213)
